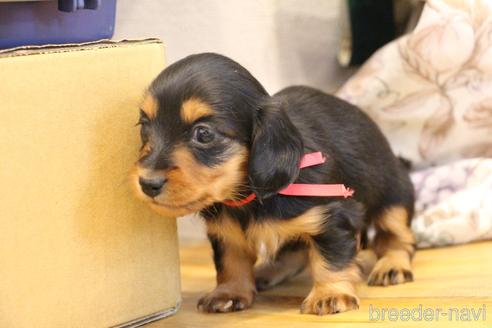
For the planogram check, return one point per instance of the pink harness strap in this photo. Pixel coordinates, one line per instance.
(301, 189)
(312, 159)
(327, 190)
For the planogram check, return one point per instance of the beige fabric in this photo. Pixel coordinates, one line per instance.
(431, 91)
(77, 249)
(453, 203)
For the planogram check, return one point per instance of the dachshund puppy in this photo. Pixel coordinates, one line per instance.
(212, 135)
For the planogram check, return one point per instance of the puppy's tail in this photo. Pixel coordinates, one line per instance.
(365, 260)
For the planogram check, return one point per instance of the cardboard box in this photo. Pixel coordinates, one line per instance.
(76, 248)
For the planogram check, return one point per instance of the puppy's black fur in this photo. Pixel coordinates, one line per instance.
(277, 130)
(298, 120)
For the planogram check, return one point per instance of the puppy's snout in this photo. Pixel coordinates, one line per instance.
(152, 187)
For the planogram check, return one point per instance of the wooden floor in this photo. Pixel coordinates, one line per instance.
(457, 277)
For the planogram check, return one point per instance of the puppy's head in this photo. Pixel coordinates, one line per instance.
(210, 132)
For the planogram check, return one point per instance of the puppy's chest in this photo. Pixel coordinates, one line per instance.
(266, 238)
(269, 235)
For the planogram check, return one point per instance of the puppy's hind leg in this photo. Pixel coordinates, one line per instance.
(365, 260)
(394, 244)
(290, 260)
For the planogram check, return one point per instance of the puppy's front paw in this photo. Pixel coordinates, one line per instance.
(329, 303)
(225, 299)
(389, 271)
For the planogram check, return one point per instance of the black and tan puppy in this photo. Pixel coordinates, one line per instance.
(211, 133)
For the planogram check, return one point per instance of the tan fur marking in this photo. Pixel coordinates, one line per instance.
(271, 234)
(333, 290)
(238, 266)
(235, 282)
(275, 234)
(193, 178)
(193, 109)
(366, 259)
(325, 277)
(149, 106)
(397, 258)
(192, 186)
(146, 149)
(386, 241)
(395, 221)
(394, 232)
(229, 231)
(395, 261)
(231, 234)
(394, 245)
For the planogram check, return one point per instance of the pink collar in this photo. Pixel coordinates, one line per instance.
(299, 189)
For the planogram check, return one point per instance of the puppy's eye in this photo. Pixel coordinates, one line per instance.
(203, 134)
(143, 119)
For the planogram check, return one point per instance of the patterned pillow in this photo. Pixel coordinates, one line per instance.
(431, 91)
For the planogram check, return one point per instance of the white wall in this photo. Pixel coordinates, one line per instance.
(282, 42)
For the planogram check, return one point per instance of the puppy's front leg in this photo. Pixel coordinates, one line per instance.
(234, 261)
(331, 256)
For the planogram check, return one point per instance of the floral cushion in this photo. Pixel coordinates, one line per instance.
(431, 93)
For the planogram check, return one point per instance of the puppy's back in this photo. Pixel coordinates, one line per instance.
(358, 152)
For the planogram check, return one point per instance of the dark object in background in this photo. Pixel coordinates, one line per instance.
(43, 22)
(72, 5)
(370, 24)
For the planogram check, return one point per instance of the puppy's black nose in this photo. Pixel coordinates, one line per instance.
(152, 187)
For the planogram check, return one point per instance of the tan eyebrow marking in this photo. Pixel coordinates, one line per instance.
(149, 106)
(193, 109)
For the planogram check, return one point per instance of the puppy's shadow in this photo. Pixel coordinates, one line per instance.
(288, 295)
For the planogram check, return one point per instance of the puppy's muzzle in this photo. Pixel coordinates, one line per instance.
(152, 187)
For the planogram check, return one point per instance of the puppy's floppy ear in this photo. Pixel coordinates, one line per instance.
(276, 150)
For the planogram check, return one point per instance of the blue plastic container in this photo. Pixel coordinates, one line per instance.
(41, 22)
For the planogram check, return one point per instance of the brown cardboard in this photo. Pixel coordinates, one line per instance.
(76, 248)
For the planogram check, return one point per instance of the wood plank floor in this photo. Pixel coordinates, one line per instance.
(458, 277)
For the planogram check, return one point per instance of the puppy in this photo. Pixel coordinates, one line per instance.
(214, 141)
